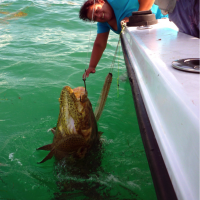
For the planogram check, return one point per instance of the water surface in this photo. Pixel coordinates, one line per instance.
(43, 47)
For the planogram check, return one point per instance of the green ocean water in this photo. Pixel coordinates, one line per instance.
(40, 53)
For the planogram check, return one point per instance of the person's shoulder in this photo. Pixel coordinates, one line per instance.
(119, 1)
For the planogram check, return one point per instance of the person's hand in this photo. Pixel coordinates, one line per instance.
(88, 71)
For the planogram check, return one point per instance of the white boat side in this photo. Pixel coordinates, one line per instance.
(171, 98)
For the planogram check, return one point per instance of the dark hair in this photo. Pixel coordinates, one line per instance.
(84, 8)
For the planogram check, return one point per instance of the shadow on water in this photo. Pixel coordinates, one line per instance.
(80, 179)
(76, 176)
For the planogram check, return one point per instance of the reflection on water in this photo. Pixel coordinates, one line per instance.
(11, 15)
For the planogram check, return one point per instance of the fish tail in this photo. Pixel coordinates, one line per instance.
(47, 147)
(49, 156)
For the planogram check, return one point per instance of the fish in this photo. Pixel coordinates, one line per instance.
(76, 130)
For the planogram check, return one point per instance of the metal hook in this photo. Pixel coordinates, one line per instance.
(84, 79)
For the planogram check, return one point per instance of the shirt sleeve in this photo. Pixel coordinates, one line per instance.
(155, 10)
(102, 28)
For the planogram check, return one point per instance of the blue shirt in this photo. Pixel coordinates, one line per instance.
(122, 9)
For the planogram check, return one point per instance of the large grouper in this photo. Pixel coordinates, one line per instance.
(76, 129)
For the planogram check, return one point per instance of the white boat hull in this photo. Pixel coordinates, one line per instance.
(171, 99)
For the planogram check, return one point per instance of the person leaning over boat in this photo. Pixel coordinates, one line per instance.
(184, 13)
(109, 14)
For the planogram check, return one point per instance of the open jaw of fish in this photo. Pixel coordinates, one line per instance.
(76, 129)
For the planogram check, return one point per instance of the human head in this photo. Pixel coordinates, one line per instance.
(86, 6)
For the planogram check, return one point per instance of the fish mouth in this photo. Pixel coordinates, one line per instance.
(80, 93)
(74, 109)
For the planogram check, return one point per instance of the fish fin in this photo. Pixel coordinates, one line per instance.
(81, 152)
(100, 133)
(49, 156)
(47, 147)
(53, 130)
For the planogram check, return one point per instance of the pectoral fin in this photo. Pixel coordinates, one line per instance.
(47, 147)
(49, 156)
(53, 130)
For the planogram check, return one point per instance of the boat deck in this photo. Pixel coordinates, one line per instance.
(171, 98)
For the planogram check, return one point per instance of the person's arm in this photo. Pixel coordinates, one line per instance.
(145, 4)
(98, 49)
